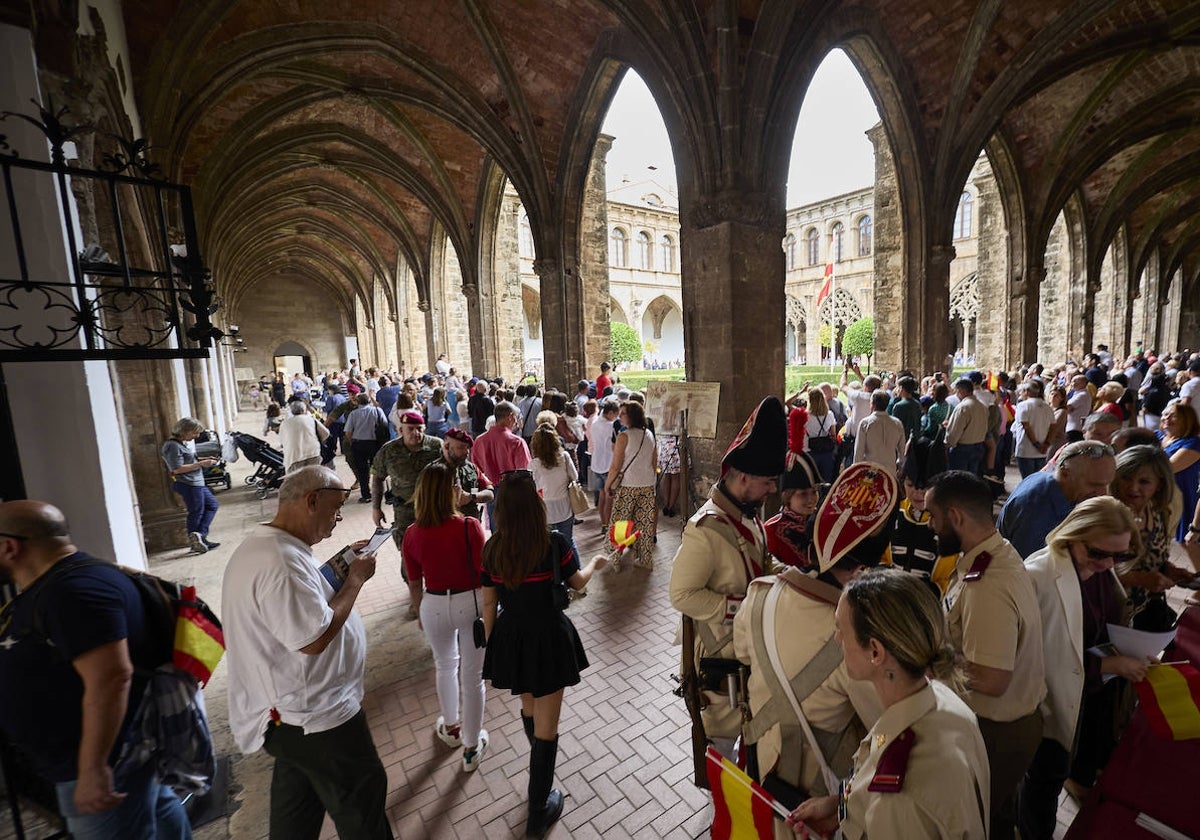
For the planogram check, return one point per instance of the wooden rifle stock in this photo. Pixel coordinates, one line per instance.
(689, 689)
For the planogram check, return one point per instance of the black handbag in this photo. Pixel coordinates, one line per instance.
(559, 590)
(478, 632)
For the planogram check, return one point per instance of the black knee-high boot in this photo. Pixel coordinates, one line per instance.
(527, 722)
(545, 803)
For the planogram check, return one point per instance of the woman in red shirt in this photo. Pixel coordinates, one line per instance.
(445, 550)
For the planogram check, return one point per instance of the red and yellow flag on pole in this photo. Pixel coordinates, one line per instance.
(827, 286)
(743, 810)
(1170, 696)
(199, 642)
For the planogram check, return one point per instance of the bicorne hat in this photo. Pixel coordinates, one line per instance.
(761, 445)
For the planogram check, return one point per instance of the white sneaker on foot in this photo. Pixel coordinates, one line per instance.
(471, 757)
(197, 543)
(450, 736)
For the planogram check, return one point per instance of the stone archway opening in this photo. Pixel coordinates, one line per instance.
(662, 333)
(964, 313)
(832, 227)
(291, 357)
(531, 327)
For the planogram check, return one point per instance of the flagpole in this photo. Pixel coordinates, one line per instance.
(832, 307)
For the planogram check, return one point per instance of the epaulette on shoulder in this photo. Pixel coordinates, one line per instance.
(893, 764)
(978, 567)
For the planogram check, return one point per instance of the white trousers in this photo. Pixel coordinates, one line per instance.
(447, 621)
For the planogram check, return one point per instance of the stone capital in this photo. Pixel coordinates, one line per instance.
(941, 254)
(470, 291)
(748, 208)
(423, 305)
(545, 269)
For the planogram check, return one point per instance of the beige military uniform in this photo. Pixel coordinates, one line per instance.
(837, 708)
(940, 789)
(994, 620)
(720, 553)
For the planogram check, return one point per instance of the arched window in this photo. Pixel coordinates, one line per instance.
(618, 249)
(789, 251)
(812, 240)
(666, 253)
(839, 237)
(645, 254)
(864, 236)
(962, 218)
(525, 234)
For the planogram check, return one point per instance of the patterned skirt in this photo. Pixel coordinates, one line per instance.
(637, 505)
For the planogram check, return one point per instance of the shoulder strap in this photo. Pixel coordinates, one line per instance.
(799, 687)
(893, 764)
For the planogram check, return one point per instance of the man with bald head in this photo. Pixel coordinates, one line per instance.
(67, 678)
(296, 650)
(1083, 469)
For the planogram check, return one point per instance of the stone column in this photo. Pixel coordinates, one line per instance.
(733, 304)
(889, 276)
(928, 335)
(593, 263)
(991, 348)
(563, 341)
(505, 348)
(1023, 315)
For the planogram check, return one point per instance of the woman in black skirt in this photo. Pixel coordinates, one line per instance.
(532, 648)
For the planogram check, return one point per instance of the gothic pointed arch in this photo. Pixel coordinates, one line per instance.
(844, 308)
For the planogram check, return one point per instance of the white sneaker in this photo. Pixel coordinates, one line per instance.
(471, 757)
(449, 737)
(196, 541)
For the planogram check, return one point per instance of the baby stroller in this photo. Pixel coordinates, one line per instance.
(208, 445)
(269, 473)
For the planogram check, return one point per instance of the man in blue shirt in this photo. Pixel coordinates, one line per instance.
(1083, 470)
(75, 632)
(333, 398)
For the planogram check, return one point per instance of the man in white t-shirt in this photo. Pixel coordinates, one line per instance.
(858, 402)
(1032, 420)
(296, 650)
(1187, 394)
(1079, 406)
(600, 445)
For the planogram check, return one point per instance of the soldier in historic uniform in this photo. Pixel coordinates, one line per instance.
(402, 460)
(724, 548)
(922, 770)
(913, 544)
(808, 715)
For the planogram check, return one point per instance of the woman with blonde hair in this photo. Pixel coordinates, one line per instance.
(533, 649)
(1108, 397)
(922, 770)
(631, 480)
(444, 549)
(1078, 597)
(1144, 484)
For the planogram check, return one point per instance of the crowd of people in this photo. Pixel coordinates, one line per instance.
(995, 683)
(954, 672)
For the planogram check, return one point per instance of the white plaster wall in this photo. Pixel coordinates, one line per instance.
(70, 439)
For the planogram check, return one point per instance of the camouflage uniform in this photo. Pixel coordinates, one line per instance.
(399, 463)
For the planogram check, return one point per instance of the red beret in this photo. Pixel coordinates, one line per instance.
(459, 435)
(412, 418)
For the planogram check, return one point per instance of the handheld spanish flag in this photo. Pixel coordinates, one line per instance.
(622, 535)
(743, 810)
(1170, 696)
(199, 641)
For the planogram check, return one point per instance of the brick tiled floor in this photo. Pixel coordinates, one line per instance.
(624, 758)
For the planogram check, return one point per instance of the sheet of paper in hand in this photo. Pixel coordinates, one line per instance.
(337, 567)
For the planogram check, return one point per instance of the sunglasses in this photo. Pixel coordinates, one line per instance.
(1090, 448)
(1097, 555)
(516, 474)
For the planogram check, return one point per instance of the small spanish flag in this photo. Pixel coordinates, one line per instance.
(622, 534)
(1170, 696)
(199, 641)
(743, 810)
(993, 382)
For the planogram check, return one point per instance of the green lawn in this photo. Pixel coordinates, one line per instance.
(796, 375)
